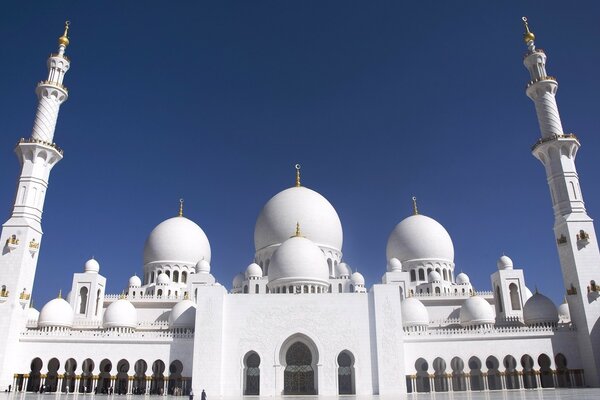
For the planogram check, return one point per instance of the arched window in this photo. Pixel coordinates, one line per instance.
(256, 288)
(175, 276)
(168, 273)
(251, 374)
(421, 274)
(351, 288)
(437, 290)
(152, 277)
(515, 301)
(245, 288)
(445, 275)
(83, 298)
(345, 373)
(330, 267)
(159, 292)
(413, 275)
(498, 299)
(184, 277)
(340, 288)
(98, 302)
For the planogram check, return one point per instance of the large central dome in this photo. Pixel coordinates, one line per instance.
(319, 220)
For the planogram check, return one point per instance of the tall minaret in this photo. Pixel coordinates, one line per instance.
(573, 228)
(21, 235)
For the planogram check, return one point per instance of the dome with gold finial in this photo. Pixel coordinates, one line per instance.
(528, 36)
(64, 39)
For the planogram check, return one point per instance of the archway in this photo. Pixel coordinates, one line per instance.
(458, 375)
(510, 372)
(175, 379)
(104, 377)
(158, 378)
(562, 372)
(85, 384)
(299, 374)
(68, 384)
(52, 376)
(139, 380)
(33, 384)
(345, 362)
(515, 299)
(422, 375)
(528, 372)
(251, 374)
(476, 377)
(439, 375)
(122, 377)
(493, 374)
(545, 371)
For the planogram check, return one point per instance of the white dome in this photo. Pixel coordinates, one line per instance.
(33, 314)
(183, 315)
(420, 237)
(462, 279)
(299, 259)
(203, 267)
(254, 271)
(177, 240)
(358, 279)
(91, 266)
(434, 276)
(394, 265)
(56, 312)
(163, 279)
(342, 269)
(414, 313)
(504, 262)
(476, 311)
(120, 314)
(539, 310)
(319, 221)
(564, 314)
(135, 281)
(238, 280)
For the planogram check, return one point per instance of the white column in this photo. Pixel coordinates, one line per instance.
(538, 381)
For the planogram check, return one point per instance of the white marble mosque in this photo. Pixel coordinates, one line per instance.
(276, 330)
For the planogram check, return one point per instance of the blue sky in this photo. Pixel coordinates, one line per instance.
(379, 101)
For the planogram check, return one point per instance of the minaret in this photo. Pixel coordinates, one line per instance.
(573, 228)
(21, 235)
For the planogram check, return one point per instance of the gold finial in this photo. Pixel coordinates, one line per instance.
(59, 294)
(415, 209)
(297, 234)
(528, 36)
(181, 207)
(122, 296)
(186, 296)
(297, 166)
(64, 39)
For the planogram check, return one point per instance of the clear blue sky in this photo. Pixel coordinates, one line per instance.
(215, 102)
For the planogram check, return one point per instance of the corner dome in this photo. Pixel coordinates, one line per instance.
(120, 314)
(476, 311)
(434, 276)
(358, 279)
(298, 259)
(319, 220)
(539, 310)
(414, 313)
(135, 281)
(163, 279)
(203, 267)
(394, 265)
(254, 271)
(238, 280)
(91, 266)
(342, 270)
(57, 313)
(462, 279)
(177, 239)
(183, 315)
(419, 237)
(504, 262)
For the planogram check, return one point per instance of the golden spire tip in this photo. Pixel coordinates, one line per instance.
(59, 294)
(297, 234)
(64, 39)
(528, 36)
(415, 209)
(297, 166)
(181, 207)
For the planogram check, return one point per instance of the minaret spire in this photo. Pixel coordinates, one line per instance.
(573, 228)
(297, 166)
(415, 209)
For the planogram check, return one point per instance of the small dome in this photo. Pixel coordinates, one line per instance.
(414, 313)
(319, 220)
(504, 262)
(476, 311)
(33, 314)
(177, 239)
(91, 266)
(203, 267)
(539, 310)
(183, 315)
(163, 279)
(120, 314)
(394, 265)
(56, 312)
(342, 270)
(358, 279)
(564, 314)
(462, 279)
(299, 259)
(135, 281)
(238, 280)
(254, 271)
(434, 276)
(419, 237)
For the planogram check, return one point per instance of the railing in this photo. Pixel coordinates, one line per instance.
(32, 140)
(554, 137)
(109, 333)
(60, 55)
(482, 293)
(130, 297)
(542, 78)
(55, 84)
(492, 330)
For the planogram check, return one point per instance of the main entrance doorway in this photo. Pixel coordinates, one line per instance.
(299, 376)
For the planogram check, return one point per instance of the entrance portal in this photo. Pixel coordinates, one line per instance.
(299, 376)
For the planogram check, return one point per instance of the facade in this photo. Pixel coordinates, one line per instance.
(277, 331)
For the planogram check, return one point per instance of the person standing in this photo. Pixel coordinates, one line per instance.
(191, 395)
(203, 396)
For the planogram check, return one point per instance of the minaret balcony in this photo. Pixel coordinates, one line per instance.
(54, 84)
(559, 136)
(32, 140)
(541, 79)
(60, 55)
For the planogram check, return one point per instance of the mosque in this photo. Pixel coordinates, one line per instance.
(276, 331)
